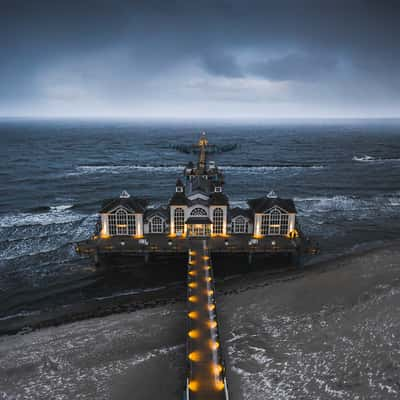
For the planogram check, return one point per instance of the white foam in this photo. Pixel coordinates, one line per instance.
(120, 169)
(55, 216)
(367, 158)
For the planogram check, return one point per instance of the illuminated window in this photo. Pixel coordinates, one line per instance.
(218, 221)
(112, 228)
(156, 225)
(122, 223)
(274, 223)
(197, 212)
(179, 220)
(240, 225)
(284, 224)
(264, 224)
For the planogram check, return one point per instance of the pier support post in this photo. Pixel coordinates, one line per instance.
(146, 257)
(96, 258)
(250, 258)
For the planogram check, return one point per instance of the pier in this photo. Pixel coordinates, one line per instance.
(206, 378)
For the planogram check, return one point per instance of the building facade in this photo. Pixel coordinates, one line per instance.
(199, 208)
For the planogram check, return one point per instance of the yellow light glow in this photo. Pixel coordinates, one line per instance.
(219, 385)
(212, 324)
(208, 279)
(138, 236)
(258, 236)
(195, 356)
(194, 334)
(192, 262)
(216, 369)
(192, 285)
(192, 253)
(209, 292)
(104, 235)
(172, 235)
(193, 299)
(211, 307)
(192, 273)
(194, 385)
(206, 258)
(207, 267)
(214, 345)
(193, 315)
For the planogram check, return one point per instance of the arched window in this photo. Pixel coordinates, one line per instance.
(218, 221)
(156, 225)
(179, 220)
(274, 222)
(122, 223)
(240, 225)
(198, 212)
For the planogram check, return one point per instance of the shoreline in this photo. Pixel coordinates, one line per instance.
(97, 307)
(329, 332)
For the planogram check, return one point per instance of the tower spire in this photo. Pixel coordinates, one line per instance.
(203, 143)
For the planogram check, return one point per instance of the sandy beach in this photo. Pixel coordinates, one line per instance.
(329, 332)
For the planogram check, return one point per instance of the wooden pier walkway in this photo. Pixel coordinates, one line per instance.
(206, 371)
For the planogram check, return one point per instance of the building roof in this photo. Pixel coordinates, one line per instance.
(219, 199)
(162, 212)
(198, 220)
(235, 212)
(265, 203)
(131, 204)
(179, 199)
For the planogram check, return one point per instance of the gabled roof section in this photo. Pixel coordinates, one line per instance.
(179, 199)
(218, 199)
(129, 203)
(266, 203)
(161, 212)
(237, 211)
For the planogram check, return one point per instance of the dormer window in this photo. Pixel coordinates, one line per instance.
(179, 189)
(218, 189)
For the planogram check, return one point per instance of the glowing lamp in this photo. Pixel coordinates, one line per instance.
(214, 345)
(193, 299)
(212, 324)
(219, 385)
(194, 334)
(192, 273)
(216, 369)
(194, 356)
(211, 307)
(192, 285)
(193, 314)
(208, 279)
(194, 385)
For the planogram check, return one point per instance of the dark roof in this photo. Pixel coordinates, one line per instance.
(265, 203)
(178, 199)
(235, 212)
(150, 212)
(198, 220)
(179, 183)
(130, 203)
(219, 199)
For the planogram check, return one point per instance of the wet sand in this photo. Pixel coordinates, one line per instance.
(330, 332)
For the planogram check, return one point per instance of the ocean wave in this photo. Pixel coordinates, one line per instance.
(367, 158)
(20, 315)
(241, 168)
(307, 205)
(120, 169)
(55, 215)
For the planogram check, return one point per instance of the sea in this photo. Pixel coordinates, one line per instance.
(344, 176)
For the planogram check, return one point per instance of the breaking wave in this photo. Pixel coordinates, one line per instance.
(39, 216)
(245, 168)
(367, 158)
(345, 203)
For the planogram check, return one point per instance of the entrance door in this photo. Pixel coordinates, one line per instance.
(199, 230)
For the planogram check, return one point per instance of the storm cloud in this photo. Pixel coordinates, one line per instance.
(200, 59)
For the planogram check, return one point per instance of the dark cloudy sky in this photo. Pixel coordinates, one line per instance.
(200, 58)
